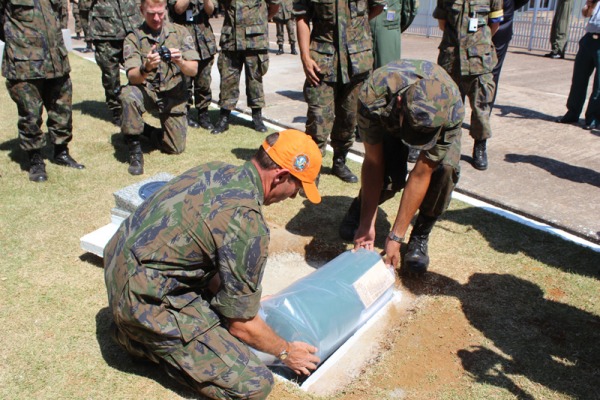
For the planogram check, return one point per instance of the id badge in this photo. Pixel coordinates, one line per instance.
(189, 16)
(473, 22)
(391, 15)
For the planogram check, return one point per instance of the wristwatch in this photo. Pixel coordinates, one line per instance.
(284, 353)
(143, 69)
(394, 237)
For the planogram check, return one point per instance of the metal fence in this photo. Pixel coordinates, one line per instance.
(531, 24)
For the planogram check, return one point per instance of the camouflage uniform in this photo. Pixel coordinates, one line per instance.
(84, 15)
(341, 45)
(158, 265)
(76, 17)
(205, 44)
(379, 121)
(110, 21)
(469, 57)
(244, 43)
(164, 90)
(64, 14)
(285, 20)
(36, 67)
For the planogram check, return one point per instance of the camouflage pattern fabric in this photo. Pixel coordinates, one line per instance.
(467, 54)
(341, 42)
(332, 109)
(84, 15)
(109, 56)
(290, 25)
(76, 17)
(245, 26)
(201, 92)
(205, 222)
(64, 14)
(34, 44)
(285, 12)
(30, 96)
(230, 64)
(379, 116)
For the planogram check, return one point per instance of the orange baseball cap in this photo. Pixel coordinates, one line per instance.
(297, 152)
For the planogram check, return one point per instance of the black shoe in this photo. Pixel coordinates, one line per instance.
(136, 158)
(280, 51)
(480, 160)
(416, 259)
(191, 122)
(257, 119)
(341, 170)
(37, 168)
(293, 52)
(351, 221)
(413, 155)
(204, 120)
(63, 158)
(78, 36)
(222, 124)
(592, 125)
(554, 55)
(568, 118)
(116, 118)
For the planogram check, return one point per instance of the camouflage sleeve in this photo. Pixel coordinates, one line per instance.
(370, 104)
(496, 11)
(188, 49)
(300, 7)
(132, 58)
(241, 256)
(447, 138)
(375, 3)
(440, 12)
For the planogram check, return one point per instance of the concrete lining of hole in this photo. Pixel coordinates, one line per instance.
(287, 262)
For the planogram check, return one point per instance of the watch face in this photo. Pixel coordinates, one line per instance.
(283, 355)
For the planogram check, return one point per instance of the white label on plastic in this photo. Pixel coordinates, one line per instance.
(189, 16)
(373, 283)
(473, 23)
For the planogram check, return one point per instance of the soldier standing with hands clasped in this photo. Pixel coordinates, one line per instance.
(36, 68)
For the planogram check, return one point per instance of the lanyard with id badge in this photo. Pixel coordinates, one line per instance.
(473, 22)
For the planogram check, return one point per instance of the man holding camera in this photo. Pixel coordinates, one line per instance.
(156, 55)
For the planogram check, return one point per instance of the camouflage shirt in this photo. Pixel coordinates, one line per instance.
(474, 50)
(114, 19)
(245, 26)
(139, 43)
(207, 221)
(379, 113)
(34, 47)
(197, 22)
(340, 38)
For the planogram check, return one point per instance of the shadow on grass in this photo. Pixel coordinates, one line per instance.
(118, 358)
(550, 343)
(16, 154)
(93, 259)
(511, 237)
(93, 108)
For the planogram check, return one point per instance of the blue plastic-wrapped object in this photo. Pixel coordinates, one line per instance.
(329, 305)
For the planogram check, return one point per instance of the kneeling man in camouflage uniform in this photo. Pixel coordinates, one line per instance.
(157, 56)
(184, 271)
(406, 103)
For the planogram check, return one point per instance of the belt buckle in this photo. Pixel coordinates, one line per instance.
(595, 36)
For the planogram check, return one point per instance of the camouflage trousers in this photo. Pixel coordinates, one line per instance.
(75, 12)
(215, 364)
(480, 90)
(109, 54)
(31, 97)
(84, 16)
(290, 25)
(199, 86)
(332, 110)
(255, 65)
(442, 184)
(169, 107)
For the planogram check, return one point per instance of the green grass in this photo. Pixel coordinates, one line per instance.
(530, 298)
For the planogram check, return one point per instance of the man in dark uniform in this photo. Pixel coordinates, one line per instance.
(36, 68)
(110, 22)
(285, 20)
(184, 271)
(406, 103)
(158, 56)
(195, 16)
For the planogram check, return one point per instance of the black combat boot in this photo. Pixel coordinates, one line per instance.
(340, 169)
(480, 161)
(351, 221)
(136, 157)
(223, 122)
(204, 120)
(280, 51)
(293, 46)
(416, 259)
(191, 122)
(62, 157)
(116, 119)
(413, 155)
(257, 119)
(37, 167)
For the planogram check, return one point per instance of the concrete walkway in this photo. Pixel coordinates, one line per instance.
(540, 169)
